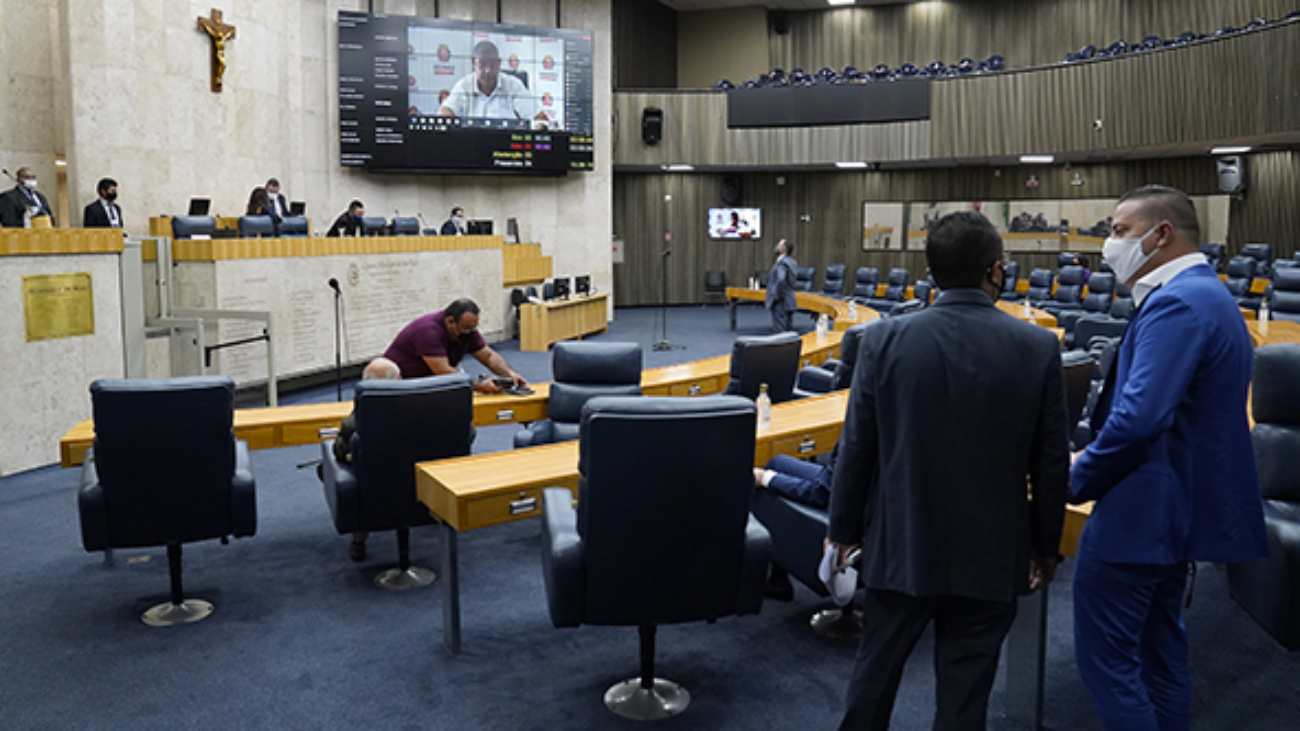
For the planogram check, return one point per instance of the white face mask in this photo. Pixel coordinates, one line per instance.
(1125, 255)
(30, 183)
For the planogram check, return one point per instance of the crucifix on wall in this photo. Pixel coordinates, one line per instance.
(219, 32)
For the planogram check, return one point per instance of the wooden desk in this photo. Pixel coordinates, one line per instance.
(541, 325)
(288, 426)
(1264, 332)
(1035, 317)
(836, 309)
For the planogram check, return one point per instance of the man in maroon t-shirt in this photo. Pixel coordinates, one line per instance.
(434, 344)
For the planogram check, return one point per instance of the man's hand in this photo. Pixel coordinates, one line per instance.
(842, 551)
(520, 381)
(1041, 572)
(485, 385)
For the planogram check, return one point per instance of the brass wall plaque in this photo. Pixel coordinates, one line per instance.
(58, 306)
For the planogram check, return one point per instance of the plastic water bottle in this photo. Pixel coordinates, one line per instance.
(1029, 313)
(853, 310)
(823, 325)
(1263, 310)
(764, 403)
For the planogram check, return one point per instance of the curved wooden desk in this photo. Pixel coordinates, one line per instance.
(836, 309)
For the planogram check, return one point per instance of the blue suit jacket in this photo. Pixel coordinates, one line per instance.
(780, 283)
(1172, 468)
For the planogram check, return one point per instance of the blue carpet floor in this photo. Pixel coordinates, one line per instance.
(301, 639)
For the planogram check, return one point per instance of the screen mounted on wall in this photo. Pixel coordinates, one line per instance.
(434, 95)
(735, 223)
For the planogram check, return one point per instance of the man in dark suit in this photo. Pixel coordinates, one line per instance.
(780, 300)
(104, 211)
(23, 203)
(1172, 467)
(951, 408)
(279, 208)
(349, 222)
(454, 226)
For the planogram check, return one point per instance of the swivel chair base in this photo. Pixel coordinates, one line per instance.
(841, 625)
(664, 700)
(399, 579)
(184, 612)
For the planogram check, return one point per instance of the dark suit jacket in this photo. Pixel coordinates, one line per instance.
(96, 217)
(13, 204)
(449, 228)
(344, 225)
(1172, 468)
(284, 206)
(951, 409)
(780, 283)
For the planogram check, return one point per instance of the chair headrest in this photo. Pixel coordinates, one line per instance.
(1041, 278)
(1275, 386)
(1101, 283)
(184, 227)
(577, 362)
(1286, 279)
(835, 271)
(256, 226)
(1262, 252)
(868, 275)
(1071, 276)
(1241, 266)
(898, 276)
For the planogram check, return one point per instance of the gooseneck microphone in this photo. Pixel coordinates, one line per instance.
(334, 285)
(338, 336)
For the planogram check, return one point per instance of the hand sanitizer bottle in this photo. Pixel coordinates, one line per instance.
(823, 325)
(1263, 311)
(853, 310)
(764, 403)
(1029, 313)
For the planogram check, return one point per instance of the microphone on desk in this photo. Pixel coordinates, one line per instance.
(334, 285)
(423, 225)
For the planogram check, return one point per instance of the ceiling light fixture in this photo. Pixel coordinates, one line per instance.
(1037, 159)
(1230, 150)
(840, 2)
(679, 168)
(857, 165)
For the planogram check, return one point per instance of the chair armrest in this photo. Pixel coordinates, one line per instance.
(562, 550)
(243, 494)
(341, 492)
(815, 379)
(753, 571)
(538, 432)
(91, 507)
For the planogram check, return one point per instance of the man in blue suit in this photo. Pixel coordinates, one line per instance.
(952, 408)
(1172, 468)
(780, 288)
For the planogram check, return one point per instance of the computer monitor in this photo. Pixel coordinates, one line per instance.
(479, 228)
(298, 208)
(560, 288)
(582, 285)
(199, 206)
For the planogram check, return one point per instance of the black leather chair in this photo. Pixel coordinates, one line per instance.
(1040, 286)
(865, 282)
(1079, 366)
(715, 285)
(399, 423)
(406, 226)
(1065, 259)
(1101, 290)
(1263, 256)
(373, 226)
(923, 292)
(165, 470)
(1269, 588)
(659, 536)
(187, 227)
(582, 371)
(1285, 301)
(1214, 254)
(770, 359)
(1241, 275)
(833, 374)
(1012, 271)
(833, 284)
(895, 291)
(1069, 292)
(256, 227)
(293, 226)
(804, 277)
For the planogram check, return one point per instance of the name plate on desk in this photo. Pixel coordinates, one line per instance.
(58, 306)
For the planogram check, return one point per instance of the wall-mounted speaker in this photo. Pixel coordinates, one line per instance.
(652, 125)
(780, 22)
(731, 190)
(1232, 174)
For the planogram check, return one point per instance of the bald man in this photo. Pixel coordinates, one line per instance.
(378, 369)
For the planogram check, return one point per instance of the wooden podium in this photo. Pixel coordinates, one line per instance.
(541, 325)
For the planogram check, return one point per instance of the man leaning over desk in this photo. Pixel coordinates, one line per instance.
(434, 344)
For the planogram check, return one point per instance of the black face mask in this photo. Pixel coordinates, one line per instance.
(111, 196)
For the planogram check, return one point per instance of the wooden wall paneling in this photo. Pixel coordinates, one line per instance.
(645, 45)
(1269, 211)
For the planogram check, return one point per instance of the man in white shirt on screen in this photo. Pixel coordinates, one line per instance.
(487, 92)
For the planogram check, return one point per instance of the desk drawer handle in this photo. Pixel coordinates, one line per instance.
(519, 507)
(807, 445)
(505, 415)
(694, 390)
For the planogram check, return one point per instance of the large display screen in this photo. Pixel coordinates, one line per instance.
(433, 95)
(735, 223)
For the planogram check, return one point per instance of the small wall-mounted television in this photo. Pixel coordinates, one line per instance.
(734, 224)
(560, 288)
